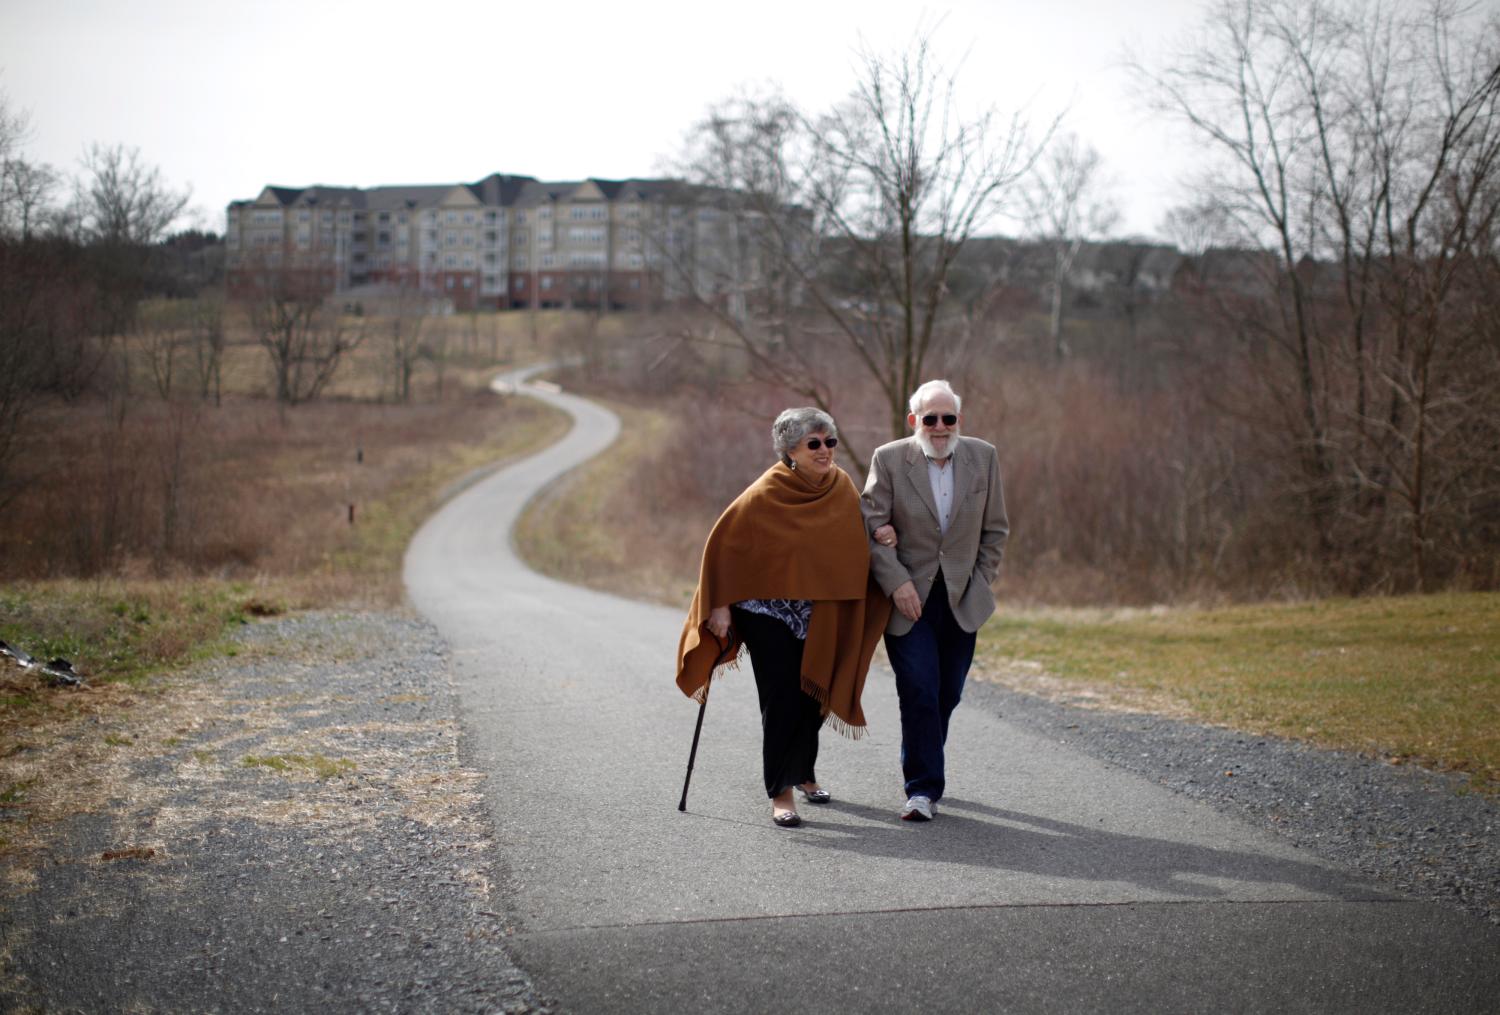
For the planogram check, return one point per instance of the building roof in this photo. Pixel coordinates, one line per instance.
(399, 198)
(494, 190)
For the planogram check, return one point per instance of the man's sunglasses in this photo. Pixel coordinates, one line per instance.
(931, 419)
(814, 443)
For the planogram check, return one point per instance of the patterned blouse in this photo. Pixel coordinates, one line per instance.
(794, 613)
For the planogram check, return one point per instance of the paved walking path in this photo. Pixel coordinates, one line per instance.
(1049, 882)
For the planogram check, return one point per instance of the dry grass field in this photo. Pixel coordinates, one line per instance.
(148, 526)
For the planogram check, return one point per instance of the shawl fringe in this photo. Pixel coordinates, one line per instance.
(842, 727)
(701, 693)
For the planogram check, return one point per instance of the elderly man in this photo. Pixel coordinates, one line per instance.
(936, 511)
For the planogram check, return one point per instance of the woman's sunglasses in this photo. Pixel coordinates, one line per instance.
(814, 443)
(931, 419)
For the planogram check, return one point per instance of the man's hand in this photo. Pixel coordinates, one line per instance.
(718, 621)
(905, 598)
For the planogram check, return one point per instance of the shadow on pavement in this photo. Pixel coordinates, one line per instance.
(978, 835)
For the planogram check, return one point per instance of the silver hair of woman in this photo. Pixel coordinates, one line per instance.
(793, 426)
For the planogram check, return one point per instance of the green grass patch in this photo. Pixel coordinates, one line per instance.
(15, 794)
(319, 765)
(1409, 678)
(117, 630)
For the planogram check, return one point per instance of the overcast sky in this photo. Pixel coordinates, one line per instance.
(227, 97)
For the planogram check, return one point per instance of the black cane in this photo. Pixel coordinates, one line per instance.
(703, 707)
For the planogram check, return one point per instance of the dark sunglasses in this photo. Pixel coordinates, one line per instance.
(814, 443)
(931, 419)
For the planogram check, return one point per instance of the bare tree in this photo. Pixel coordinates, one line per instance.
(25, 195)
(121, 200)
(1360, 144)
(304, 338)
(14, 127)
(407, 307)
(1067, 205)
(847, 225)
(163, 337)
(206, 340)
(122, 207)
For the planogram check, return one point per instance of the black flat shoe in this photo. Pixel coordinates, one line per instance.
(787, 819)
(816, 796)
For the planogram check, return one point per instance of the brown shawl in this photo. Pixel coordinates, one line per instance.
(786, 538)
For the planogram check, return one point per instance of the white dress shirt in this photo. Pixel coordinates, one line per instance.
(941, 478)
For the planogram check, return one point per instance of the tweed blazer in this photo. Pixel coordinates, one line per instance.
(898, 492)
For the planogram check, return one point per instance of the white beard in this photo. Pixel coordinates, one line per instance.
(924, 441)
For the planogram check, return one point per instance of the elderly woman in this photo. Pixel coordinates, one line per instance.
(785, 573)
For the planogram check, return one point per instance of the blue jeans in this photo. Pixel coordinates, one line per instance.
(931, 662)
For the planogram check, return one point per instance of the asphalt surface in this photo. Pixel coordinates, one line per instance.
(1051, 880)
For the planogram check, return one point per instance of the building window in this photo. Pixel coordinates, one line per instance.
(546, 281)
(520, 218)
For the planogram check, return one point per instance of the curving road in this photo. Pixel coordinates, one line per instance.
(1050, 881)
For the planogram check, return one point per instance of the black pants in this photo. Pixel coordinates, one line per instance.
(789, 719)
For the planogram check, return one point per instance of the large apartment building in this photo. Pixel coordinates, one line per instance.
(503, 242)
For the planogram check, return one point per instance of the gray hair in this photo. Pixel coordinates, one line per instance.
(794, 424)
(920, 396)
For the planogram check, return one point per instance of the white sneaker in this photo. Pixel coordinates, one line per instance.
(918, 808)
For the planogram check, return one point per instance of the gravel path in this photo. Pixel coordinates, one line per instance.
(292, 829)
(1421, 832)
